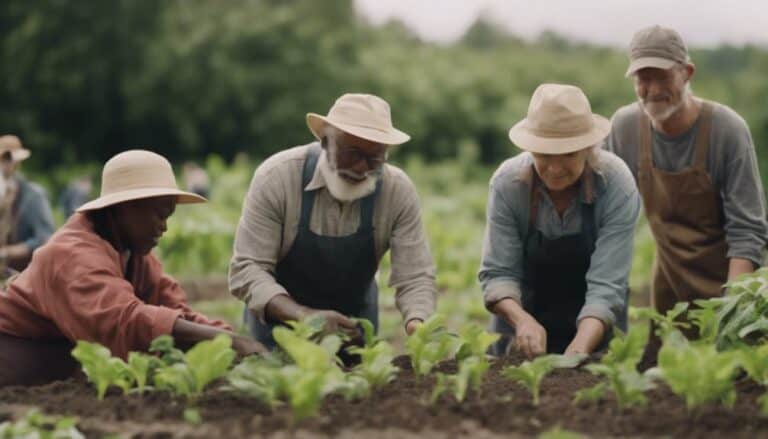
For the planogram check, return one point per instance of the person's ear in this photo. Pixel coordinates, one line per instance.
(690, 70)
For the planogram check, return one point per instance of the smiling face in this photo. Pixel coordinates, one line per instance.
(141, 223)
(560, 171)
(662, 92)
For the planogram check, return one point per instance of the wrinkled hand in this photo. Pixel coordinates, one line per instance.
(245, 346)
(531, 337)
(412, 324)
(336, 322)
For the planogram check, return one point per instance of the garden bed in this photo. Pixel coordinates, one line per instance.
(400, 409)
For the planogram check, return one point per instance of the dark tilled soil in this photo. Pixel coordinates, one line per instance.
(399, 410)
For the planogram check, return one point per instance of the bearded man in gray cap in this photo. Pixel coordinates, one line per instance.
(319, 217)
(696, 169)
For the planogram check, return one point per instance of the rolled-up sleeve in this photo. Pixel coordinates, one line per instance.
(501, 267)
(746, 227)
(94, 304)
(413, 270)
(257, 244)
(611, 262)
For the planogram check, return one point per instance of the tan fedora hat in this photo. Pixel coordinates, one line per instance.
(559, 121)
(362, 115)
(136, 174)
(12, 144)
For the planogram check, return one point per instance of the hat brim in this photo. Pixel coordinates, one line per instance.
(521, 136)
(137, 194)
(394, 136)
(649, 62)
(18, 155)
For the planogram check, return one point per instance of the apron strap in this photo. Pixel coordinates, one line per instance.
(308, 197)
(366, 208)
(533, 212)
(702, 136)
(645, 164)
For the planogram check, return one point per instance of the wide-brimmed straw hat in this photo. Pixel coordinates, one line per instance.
(362, 115)
(560, 121)
(12, 144)
(137, 174)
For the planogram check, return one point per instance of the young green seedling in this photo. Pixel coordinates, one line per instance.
(755, 362)
(205, 362)
(430, 344)
(664, 323)
(37, 425)
(101, 368)
(469, 377)
(530, 373)
(696, 371)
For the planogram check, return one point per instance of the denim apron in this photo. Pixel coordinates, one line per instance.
(554, 273)
(326, 272)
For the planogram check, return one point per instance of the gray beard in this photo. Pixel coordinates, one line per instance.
(341, 189)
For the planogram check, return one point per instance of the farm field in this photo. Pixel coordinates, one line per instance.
(400, 409)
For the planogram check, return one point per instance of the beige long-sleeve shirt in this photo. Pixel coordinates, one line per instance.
(269, 224)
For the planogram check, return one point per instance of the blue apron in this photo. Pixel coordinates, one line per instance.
(325, 272)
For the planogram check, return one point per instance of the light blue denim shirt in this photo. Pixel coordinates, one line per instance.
(617, 207)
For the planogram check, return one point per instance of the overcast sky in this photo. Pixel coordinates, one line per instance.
(702, 23)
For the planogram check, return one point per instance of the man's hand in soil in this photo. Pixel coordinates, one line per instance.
(245, 346)
(530, 336)
(411, 326)
(588, 336)
(335, 321)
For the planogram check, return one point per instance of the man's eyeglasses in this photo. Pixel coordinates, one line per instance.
(349, 155)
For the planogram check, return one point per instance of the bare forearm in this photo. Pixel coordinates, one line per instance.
(739, 266)
(283, 308)
(188, 332)
(588, 336)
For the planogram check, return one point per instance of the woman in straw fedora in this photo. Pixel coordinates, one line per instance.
(560, 223)
(26, 221)
(96, 279)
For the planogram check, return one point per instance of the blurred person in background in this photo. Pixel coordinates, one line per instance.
(97, 280)
(561, 216)
(77, 193)
(196, 179)
(26, 220)
(317, 220)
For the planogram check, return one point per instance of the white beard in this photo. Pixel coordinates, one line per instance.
(341, 189)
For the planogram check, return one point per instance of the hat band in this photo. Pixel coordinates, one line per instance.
(559, 134)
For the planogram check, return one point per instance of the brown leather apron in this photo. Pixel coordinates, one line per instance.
(684, 211)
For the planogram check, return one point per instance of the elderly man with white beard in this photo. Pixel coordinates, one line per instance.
(317, 220)
(695, 165)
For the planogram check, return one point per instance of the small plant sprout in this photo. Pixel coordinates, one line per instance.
(430, 344)
(37, 425)
(530, 373)
(101, 368)
(205, 362)
(673, 319)
(697, 372)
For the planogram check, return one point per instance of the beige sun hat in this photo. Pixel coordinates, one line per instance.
(658, 47)
(559, 121)
(136, 174)
(12, 144)
(362, 115)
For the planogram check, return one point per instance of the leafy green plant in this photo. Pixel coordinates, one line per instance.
(559, 433)
(627, 384)
(704, 317)
(666, 323)
(375, 367)
(203, 363)
(475, 341)
(259, 378)
(742, 314)
(618, 367)
(469, 377)
(697, 371)
(529, 374)
(755, 362)
(101, 368)
(314, 374)
(430, 344)
(141, 368)
(164, 347)
(36, 425)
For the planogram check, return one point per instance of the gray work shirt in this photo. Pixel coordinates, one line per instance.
(617, 207)
(731, 164)
(270, 220)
